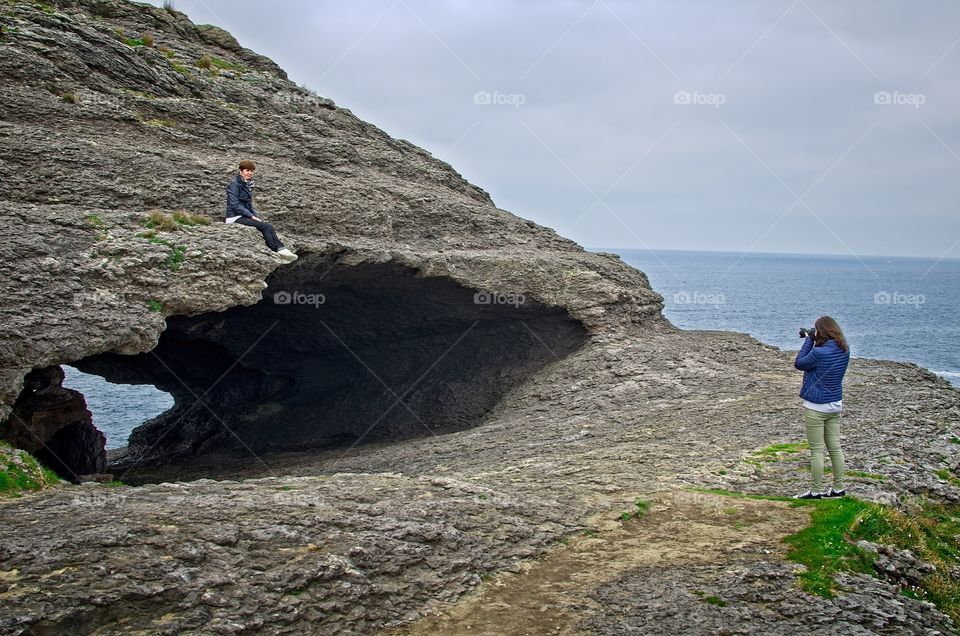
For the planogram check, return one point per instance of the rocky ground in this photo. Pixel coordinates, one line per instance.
(352, 542)
(508, 525)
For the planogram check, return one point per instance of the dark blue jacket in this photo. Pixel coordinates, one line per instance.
(823, 368)
(240, 199)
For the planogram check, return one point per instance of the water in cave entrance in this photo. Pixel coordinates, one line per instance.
(117, 408)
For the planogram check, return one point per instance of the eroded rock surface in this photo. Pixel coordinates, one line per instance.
(103, 129)
(556, 412)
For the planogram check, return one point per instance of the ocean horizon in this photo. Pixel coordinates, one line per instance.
(901, 308)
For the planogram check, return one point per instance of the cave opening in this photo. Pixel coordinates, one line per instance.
(116, 409)
(335, 356)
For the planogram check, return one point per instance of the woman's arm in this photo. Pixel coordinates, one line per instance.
(807, 356)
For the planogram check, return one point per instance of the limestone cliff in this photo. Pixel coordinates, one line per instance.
(116, 109)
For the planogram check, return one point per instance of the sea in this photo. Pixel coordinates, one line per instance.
(891, 308)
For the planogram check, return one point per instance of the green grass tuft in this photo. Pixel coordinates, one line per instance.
(176, 257)
(824, 547)
(157, 220)
(828, 546)
(189, 218)
(227, 66)
(21, 472)
(642, 507)
(947, 475)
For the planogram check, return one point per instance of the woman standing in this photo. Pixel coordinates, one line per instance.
(823, 358)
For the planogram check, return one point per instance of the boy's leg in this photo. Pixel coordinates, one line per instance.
(831, 436)
(814, 424)
(269, 234)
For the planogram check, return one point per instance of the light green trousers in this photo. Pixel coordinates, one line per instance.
(823, 429)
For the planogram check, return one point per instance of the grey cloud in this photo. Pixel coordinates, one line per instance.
(596, 97)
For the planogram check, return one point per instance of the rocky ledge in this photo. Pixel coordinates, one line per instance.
(437, 391)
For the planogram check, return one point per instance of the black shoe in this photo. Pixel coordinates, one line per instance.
(834, 493)
(808, 495)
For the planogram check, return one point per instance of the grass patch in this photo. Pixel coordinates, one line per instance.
(70, 98)
(227, 66)
(947, 475)
(929, 530)
(825, 549)
(715, 600)
(205, 63)
(176, 257)
(641, 507)
(134, 42)
(154, 305)
(21, 472)
(180, 68)
(157, 220)
(93, 220)
(167, 52)
(775, 452)
(189, 218)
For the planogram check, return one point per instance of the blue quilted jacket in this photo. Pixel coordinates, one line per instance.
(823, 368)
(240, 198)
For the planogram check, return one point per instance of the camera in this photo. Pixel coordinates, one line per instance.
(804, 332)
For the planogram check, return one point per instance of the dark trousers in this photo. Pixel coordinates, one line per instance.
(269, 234)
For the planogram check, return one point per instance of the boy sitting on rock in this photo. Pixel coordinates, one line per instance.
(240, 210)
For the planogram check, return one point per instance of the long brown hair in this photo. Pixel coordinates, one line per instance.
(828, 329)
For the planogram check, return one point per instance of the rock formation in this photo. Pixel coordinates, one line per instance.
(105, 129)
(435, 393)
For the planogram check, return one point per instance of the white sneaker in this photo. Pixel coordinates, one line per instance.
(287, 255)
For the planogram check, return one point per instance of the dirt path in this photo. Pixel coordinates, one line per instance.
(553, 594)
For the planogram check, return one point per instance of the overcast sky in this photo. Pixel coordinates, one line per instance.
(752, 125)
